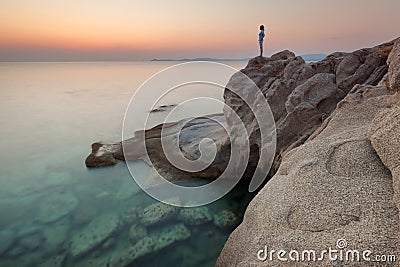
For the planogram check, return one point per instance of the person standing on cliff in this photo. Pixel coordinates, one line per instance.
(261, 36)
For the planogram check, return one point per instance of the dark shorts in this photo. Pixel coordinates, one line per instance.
(260, 42)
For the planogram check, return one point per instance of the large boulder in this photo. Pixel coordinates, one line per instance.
(384, 134)
(394, 67)
(332, 187)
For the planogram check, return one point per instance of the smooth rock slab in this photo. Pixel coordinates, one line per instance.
(94, 234)
(146, 145)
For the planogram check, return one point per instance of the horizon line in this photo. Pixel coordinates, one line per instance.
(146, 60)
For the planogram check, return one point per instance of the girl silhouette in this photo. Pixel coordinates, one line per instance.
(261, 36)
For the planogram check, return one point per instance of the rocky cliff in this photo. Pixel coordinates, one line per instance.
(337, 164)
(301, 96)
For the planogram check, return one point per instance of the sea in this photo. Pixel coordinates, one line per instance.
(50, 114)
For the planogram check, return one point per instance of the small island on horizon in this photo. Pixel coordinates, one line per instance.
(306, 57)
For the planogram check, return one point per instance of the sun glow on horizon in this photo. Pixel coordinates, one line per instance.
(202, 28)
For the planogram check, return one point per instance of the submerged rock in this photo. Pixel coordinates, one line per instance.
(226, 219)
(128, 255)
(169, 235)
(152, 243)
(110, 242)
(56, 206)
(16, 251)
(84, 214)
(94, 261)
(194, 216)
(132, 215)
(32, 241)
(137, 232)
(56, 235)
(93, 234)
(55, 261)
(157, 213)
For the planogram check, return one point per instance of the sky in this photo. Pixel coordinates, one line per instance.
(68, 30)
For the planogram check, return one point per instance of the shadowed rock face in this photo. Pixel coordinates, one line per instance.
(342, 183)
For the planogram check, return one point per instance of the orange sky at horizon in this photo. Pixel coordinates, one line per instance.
(176, 29)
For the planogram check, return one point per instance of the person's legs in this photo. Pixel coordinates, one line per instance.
(261, 47)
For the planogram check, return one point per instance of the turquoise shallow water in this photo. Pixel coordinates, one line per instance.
(50, 114)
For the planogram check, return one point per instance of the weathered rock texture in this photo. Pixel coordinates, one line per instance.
(302, 95)
(343, 182)
(191, 133)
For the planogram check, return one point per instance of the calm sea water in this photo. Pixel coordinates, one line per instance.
(50, 113)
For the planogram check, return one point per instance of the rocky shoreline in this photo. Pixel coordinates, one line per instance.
(336, 168)
(341, 184)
